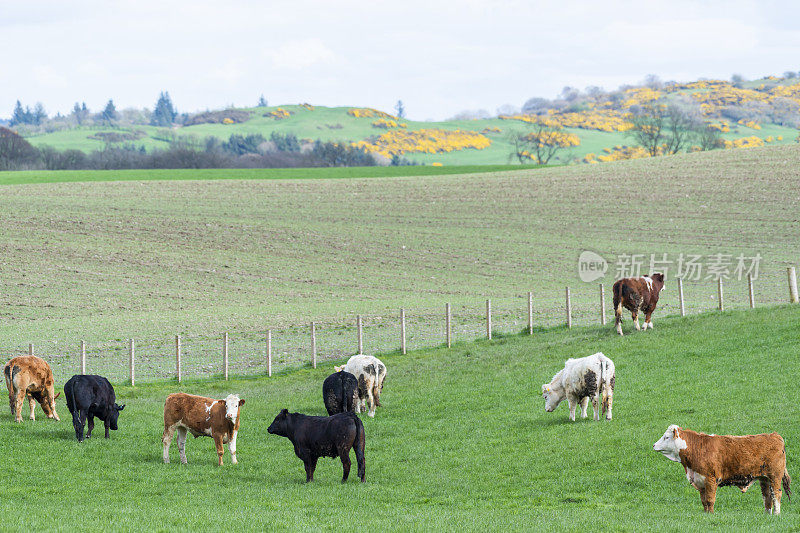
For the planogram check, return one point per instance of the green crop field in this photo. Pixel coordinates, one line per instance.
(462, 442)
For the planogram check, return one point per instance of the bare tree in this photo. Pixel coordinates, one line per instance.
(707, 137)
(539, 144)
(662, 128)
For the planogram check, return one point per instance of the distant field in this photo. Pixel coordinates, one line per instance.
(462, 443)
(106, 261)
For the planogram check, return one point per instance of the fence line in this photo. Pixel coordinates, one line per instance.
(249, 353)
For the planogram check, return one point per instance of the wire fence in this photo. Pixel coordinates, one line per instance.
(251, 353)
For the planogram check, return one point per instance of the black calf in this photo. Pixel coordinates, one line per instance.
(91, 396)
(323, 436)
(339, 392)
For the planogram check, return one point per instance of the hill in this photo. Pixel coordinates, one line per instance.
(744, 114)
(462, 442)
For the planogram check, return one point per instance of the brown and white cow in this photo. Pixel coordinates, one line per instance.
(218, 419)
(712, 461)
(371, 375)
(637, 294)
(30, 376)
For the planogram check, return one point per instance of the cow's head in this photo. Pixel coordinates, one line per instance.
(113, 416)
(48, 404)
(232, 403)
(280, 425)
(671, 444)
(551, 397)
(659, 278)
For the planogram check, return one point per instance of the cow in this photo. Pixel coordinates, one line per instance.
(579, 381)
(371, 375)
(91, 396)
(340, 392)
(323, 436)
(30, 376)
(218, 419)
(712, 461)
(637, 294)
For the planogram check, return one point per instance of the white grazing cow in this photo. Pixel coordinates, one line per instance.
(582, 379)
(370, 372)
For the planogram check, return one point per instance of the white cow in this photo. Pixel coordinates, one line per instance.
(582, 379)
(370, 372)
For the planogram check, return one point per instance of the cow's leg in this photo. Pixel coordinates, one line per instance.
(766, 494)
(573, 404)
(166, 439)
(610, 404)
(76, 423)
(18, 401)
(584, 406)
(90, 426)
(708, 494)
(595, 407)
(181, 431)
(32, 406)
(635, 318)
(618, 321)
(220, 448)
(648, 321)
(107, 427)
(344, 455)
(232, 447)
(371, 403)
(776, 495)
(311, 465)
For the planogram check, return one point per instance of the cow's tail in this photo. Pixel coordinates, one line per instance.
(10, 387)
(617, 292)
(606, 383)
(360, 445)
(786, 481)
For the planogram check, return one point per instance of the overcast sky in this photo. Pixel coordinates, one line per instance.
(439, 57)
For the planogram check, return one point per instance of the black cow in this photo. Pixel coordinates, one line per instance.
(91, 396)
(340, 392)
(323, 436)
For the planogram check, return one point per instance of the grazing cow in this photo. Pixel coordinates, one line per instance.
(637, 294)
(340, 392)
(582, 379)
(371, 374)
(198, 415)
(323, 436)
(91, 396)
(30, 376)
(712, 461)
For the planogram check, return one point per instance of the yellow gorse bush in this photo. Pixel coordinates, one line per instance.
(744, 142)
(368, 112)
(279, 113)
(388, 123)
(618, 153)
(601, 120)
(426, 141)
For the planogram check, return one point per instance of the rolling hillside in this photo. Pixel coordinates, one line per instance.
(768, 108)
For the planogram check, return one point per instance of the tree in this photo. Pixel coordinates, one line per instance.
(662, 128)
(535, 105)
(109, 114)
(262, 102)
(708, 137)
(15, 152)
(164, 113)
(19, 116)
(39, 114)
(400, 109)
(541, 143)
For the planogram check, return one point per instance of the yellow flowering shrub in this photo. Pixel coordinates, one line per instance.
(227, 120)
(427, 141)
(279, 114)
(744, 142)
(437, 164)
(308, 106)
(618, 153)
(749, 123)
(601, 120)
(491, 129)
(388, 123)
(368, 112)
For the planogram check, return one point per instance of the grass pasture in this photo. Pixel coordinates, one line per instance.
(462, 442)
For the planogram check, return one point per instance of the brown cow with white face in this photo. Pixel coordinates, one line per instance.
(637, 294)
(218, 419)
(712, 461)
(30, 376)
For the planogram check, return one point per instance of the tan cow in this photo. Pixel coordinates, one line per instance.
(218, 419)
(712, 461)
(30, 376)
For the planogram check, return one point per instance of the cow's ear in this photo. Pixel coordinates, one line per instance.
(675, 433)
(120, 407)
(241, 402)
(284, 411)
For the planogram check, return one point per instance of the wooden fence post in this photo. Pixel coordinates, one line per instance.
(269, 352)
(750, 290)
(530, 313)
(602, 306)
(178, 358)
(447, 323)
(225, 355)
(489, 319)
(569, 310)
(314, 345)
(403, 331)
(719, 293)
(83, 357)
(360, 335)
(680, 296)
(131, 360)
(792, 285)
(30, 349)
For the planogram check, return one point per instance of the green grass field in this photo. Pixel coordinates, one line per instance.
(461, 443)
